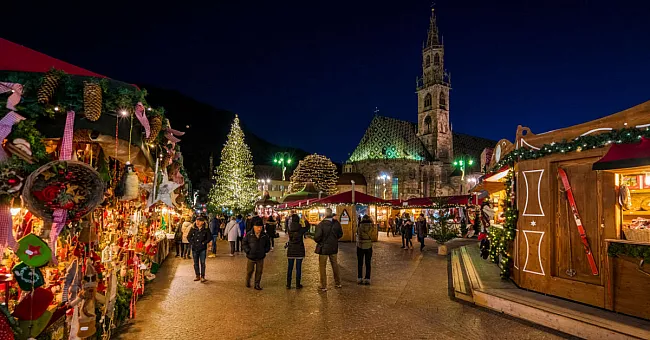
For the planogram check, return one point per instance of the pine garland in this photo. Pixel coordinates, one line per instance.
(317, 169)
(500, 239)
(236, 187)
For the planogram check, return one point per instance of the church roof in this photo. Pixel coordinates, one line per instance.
(390, 138)
(471, 145)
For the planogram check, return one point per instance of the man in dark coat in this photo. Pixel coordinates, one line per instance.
(198, 238)
(328, 233)
(256, 245)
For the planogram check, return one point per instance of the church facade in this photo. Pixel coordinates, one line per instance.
(401, 159)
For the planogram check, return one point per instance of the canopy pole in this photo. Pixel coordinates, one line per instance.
(352, 181)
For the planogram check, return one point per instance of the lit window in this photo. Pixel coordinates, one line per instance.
(395, 188)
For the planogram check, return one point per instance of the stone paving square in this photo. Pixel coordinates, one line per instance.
(408, 299)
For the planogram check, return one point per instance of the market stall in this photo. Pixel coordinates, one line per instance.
(576, 207)
(458, 208)
(91, 184)
(349, 207)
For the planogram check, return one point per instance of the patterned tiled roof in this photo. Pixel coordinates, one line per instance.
(470, 145)
(389, 138)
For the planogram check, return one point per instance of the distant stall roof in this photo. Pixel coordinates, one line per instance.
(346, 198)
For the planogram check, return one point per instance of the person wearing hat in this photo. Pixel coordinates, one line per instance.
(199, 237)
(256, 244)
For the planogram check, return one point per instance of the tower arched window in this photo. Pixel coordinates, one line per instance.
(427, 101)
(427, 61)
(442, 102)
(436, 60)
(427, 124)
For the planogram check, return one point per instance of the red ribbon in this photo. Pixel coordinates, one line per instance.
(17, 92)
(60, 215)
(142, 118)
(6, 123)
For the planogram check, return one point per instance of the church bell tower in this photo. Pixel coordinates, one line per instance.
(433, 97)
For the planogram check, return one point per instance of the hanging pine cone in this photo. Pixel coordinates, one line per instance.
(156, 125)
(92, 101)
(46, 91)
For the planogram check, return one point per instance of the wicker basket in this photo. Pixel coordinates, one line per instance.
(85, 177)
(641, 235)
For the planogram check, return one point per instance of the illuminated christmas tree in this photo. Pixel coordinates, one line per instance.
(316, 169)
(236, 187)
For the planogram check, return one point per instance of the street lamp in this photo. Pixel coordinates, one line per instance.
(282, 159)
(462, 163)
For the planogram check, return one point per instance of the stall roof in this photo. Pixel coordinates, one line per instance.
(16, 57)
(625, 156)
(346, 198)
(429, 201)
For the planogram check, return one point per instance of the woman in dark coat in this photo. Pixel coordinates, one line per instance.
(407, 230)
(295, 249)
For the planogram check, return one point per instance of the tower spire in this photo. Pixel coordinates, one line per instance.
(432, 37)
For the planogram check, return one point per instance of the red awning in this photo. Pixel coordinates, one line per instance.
(625, 156)
(429, 202)
(346, 198)
(16, 57)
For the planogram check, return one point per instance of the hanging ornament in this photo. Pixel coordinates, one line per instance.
(92, 101)
(156, 126)
(33, 251)
(129, 184)
(49, 85)
(164, 193)
(27, 277)
(34, 304)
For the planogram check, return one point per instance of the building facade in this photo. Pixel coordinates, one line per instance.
(400, 159)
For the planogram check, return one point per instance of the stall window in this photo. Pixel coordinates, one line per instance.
(395, 188)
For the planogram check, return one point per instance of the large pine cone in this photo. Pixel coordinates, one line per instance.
(46, 91)
(92, 101)
(156, 125)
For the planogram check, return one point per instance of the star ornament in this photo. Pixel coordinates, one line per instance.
(533, 223)
(164, 193)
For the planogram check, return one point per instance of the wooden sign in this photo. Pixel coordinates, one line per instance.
(345, 218)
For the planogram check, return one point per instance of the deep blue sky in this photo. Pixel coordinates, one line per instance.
(310, 74)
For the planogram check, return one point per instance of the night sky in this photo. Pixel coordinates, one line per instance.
(310, 75)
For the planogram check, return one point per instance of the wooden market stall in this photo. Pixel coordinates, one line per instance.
(349, 206)
(594, 176)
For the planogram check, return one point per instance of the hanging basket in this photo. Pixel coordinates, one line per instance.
(70, 185)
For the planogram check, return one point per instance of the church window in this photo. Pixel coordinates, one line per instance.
(395, 188)
(427, 101)
(427, 124)
(436, 60)
(427, 61)
(442, 102)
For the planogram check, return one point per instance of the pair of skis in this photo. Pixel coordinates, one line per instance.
(576, 217)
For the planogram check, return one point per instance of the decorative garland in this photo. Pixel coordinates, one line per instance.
(622, 136)
(633, 250)
(500, 239)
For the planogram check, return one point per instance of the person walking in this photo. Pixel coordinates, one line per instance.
(407, 232)
(422, 230)
(328, 233)
(256, 244)
(242, 231)
(271, 228)
(364, 249)
(295, 250)
(178, 238)
(222, 226)
(214, 231)
(199, 237)
(187, 226)
(232, 231)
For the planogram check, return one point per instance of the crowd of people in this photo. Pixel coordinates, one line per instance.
(255, 236)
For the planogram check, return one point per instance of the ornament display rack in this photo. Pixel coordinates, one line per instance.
(103, 254)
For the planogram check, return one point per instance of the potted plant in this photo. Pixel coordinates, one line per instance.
(443, 231)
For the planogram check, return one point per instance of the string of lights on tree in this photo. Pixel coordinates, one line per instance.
(235, 187)
(317, 169)
(500, 239)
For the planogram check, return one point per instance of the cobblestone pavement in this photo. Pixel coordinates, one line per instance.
(408, 299)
